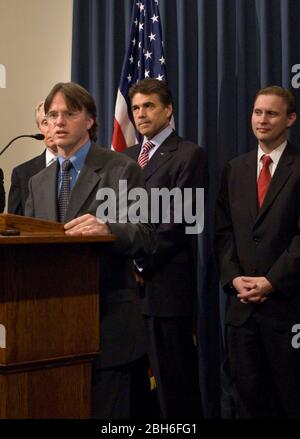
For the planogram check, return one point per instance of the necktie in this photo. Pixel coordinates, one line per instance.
(264, 179)
(144, 156)
(64, 195)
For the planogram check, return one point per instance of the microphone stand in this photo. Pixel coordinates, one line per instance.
(38, 136)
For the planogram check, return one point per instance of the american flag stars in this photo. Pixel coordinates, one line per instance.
(144, 59)
(145, 36)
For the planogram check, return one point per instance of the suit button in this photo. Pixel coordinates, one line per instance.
(256, 240)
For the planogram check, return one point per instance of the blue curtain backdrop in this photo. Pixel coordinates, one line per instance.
(218, 54)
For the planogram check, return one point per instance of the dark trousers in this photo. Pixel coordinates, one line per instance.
(173, 359)
(265, 369)
(122, 392)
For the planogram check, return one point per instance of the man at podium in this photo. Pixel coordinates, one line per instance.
(66, 192)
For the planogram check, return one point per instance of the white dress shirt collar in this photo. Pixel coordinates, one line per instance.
(275, 156)
(158, 139)
(50, 157)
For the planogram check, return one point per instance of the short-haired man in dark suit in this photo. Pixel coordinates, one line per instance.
(2, 192)
(258, 249)
(67, 191)
(21, 174)
(168, 277)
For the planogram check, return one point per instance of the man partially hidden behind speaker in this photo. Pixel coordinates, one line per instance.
(21, 174)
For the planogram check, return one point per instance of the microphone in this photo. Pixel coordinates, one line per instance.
(37, 136)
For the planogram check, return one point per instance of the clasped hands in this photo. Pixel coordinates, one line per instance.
(252, 289)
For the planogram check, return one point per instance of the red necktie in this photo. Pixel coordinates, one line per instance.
(144, 156)
(264, 179)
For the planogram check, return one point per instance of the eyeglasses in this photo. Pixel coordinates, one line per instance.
(52, 116)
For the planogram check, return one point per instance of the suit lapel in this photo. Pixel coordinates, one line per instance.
(134, 152)
(250, 179)
(86, 182)
(281, 175)
(163, 154)
(49, 197)
(39, 164)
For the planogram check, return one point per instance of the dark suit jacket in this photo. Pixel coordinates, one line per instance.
(122, 330)
(261, 243)
(170, 273)
(2, 192)
(20, 177)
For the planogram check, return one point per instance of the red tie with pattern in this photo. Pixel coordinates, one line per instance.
(264, 179)
(144, 156)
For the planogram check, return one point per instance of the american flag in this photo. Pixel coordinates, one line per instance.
(144, 59)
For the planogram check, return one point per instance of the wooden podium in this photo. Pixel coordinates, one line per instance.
(49, 319)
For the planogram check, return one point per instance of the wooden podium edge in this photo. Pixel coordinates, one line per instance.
(16, 229)
(27, 224)
(47, 363)
(45, 238)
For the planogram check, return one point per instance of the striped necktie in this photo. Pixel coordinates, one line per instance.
(144, 156)
(64, 195)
